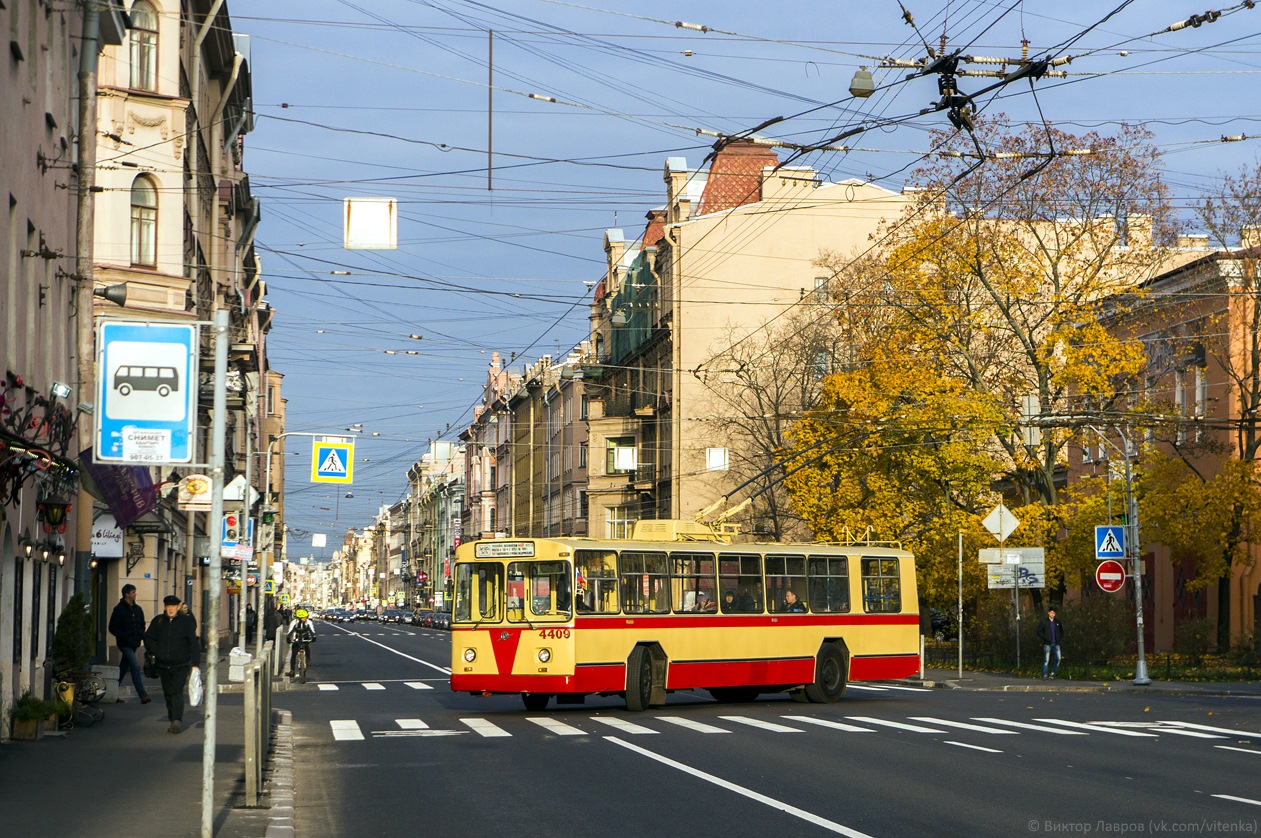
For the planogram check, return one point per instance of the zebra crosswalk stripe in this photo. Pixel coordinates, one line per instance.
(556, 726)
(829, 723)
(699, 727)
(758, 723)
(623, 725)
(328, 687)
(961, 725)
(345, 729)
(417, 685)
(484, 728)
(898, 725)
(373, 686)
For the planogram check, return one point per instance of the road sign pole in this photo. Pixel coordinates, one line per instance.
(959, 622)
(218, 456)
(1140, 665)
(244, 563)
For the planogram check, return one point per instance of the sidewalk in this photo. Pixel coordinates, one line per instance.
(1002, 682)
(126, 775)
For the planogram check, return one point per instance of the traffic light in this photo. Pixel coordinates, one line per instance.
(269, 517)
(231, 527)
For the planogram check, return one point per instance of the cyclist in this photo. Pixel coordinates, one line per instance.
(300, 631)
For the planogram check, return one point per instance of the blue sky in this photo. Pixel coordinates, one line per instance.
(389, 98)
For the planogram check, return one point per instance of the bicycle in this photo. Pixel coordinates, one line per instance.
(80, 692)
(300, 660)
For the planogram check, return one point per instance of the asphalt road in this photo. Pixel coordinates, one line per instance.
(383, 747)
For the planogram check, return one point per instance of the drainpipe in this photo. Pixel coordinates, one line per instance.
(89, 52)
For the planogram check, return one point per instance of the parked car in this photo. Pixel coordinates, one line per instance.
(423, 618)
(395, 615)
(442, 620)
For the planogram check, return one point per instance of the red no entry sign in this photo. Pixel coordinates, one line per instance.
(1110, 575)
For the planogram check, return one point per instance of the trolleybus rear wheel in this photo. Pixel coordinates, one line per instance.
(639, 680)
(830, 676)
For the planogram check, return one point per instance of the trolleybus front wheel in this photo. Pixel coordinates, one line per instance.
(535, 702)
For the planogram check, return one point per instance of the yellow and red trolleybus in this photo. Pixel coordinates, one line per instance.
(678, 608)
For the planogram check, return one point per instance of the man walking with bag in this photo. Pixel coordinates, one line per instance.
(127, 626)
(172, 640)
(1051, 633)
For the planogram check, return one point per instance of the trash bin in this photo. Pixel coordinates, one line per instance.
(238, 659)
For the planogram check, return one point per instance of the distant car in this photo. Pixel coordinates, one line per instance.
(442, 620)
(395, 615)
(423, 619)
(943, 623)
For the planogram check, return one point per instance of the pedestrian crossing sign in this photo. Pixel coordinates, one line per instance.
(1109, 542)
(332, 462)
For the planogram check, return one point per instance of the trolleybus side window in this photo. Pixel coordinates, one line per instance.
(692, 580)
(478, 590)
(539, 591)
(595, 578)
(645, 583)
(741, 576)
(829, 583)
(785, 574)
(882, 589)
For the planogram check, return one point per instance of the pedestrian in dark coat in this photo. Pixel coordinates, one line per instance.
(172, 640)
(1051, 633)
(126, 623)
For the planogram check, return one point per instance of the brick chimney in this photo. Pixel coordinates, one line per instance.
(735, 177)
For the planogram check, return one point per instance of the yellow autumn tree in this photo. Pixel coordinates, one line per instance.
(896, 452)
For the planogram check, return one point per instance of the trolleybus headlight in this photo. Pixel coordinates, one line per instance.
(545, 655)
(470, 655)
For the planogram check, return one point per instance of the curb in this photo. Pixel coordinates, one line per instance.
(280, 824)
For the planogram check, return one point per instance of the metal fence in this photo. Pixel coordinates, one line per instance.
(258, 685)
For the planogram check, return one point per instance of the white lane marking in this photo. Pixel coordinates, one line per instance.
(345, 729)
(866, 687)
(417, 685)
(699, 727)
(961, 725)
(1240, 750)
(1097, 728)
(328, 687)
(484, 728)
(1224, 730)
(809, 817)
(899, 725)
(1179, 732)
(623, 725)
(974, 747)
(372, 685)
(829, 723)
(556, 726)
(771, 726)
(1027, 726)
(441, 669)
(411, 724)
(1238, 799)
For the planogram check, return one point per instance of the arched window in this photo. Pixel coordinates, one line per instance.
(144, 222)
(144, 46)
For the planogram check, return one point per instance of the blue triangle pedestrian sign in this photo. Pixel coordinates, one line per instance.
(1109, 542)
(332, 462)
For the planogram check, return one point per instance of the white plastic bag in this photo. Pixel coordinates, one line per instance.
(195, 690)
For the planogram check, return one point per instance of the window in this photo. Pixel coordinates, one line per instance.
(144, 222)
(829, 584)
(645, 585)
(583, 406)
(692, 577)
(740, 580)
(477, 591)
(1201, 400)
(621, 454)
(882, 591)
(539, 591)
(582, 455)
(144, 47)
(595, 577)
(786, 583)
(619, 521)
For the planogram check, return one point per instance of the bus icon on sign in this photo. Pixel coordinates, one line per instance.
(161, 380)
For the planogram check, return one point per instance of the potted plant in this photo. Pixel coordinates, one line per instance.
(73, 640)
(28, 715)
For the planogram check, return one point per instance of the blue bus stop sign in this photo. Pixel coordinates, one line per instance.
(146, 391)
